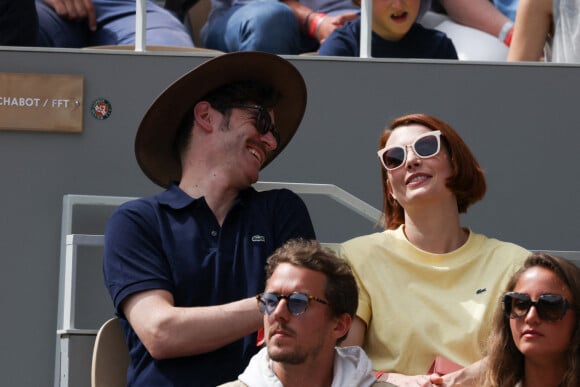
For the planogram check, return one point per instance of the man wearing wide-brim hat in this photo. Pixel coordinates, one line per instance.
(183, 267)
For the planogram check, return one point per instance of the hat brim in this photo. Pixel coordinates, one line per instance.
(154, 143)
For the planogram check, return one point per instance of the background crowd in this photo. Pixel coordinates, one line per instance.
(545, 30)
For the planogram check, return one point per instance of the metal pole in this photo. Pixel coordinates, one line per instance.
(366, 9)
(140, 25)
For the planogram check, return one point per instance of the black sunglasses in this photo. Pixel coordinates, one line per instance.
(263, 119)
(425, 146)
(297, 303)
(550, 307)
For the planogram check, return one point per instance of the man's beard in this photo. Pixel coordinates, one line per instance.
(298, 356)
(293, 358)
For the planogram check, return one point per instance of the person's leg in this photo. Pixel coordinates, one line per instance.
(268, 26)
(54, 31)
(116, 19)
(18, 23)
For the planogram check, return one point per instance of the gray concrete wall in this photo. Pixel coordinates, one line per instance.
(520, 120)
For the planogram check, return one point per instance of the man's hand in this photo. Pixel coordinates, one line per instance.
(465, 377)
(330, 23)
(412, 380)
(75, 10)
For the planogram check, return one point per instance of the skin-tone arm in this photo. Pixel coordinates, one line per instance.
(356, 336)
(479, 14)
(468, 376)
(533, 24)
(327, 25)
(168, 331)
(75, 10)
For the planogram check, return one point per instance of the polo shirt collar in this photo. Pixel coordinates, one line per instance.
(176, 198)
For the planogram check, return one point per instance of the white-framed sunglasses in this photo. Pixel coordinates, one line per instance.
(425, 146)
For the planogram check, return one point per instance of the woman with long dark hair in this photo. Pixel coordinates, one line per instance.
(535, 339)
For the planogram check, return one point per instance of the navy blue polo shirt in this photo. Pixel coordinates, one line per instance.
(173, 242)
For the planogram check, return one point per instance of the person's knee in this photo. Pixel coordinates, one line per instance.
(169, 37)
(165, 29)
(54, 31)
(269, 26)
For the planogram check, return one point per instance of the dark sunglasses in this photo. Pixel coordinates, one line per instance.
(297, 303)
(425, 146)
(550, 307)
(263, 120)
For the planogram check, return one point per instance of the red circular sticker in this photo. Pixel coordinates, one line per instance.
(101, 109)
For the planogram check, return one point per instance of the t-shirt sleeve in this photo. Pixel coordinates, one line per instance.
(291, 219)
(133, 258)
(364, 310)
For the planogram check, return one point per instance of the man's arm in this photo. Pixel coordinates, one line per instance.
(533, 24)
(140, 280)
(479, 14)
(317, 25)
(168, 331)
(465, 377)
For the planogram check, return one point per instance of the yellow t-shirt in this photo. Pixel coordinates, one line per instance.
(418, 305)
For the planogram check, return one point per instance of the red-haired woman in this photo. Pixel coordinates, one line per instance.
(428, 286)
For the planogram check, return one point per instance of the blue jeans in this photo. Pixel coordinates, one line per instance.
(268, 26)
(115, 25)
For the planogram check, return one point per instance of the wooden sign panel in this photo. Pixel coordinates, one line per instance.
(41, 102)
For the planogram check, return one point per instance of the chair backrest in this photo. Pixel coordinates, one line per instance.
(110, 356)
